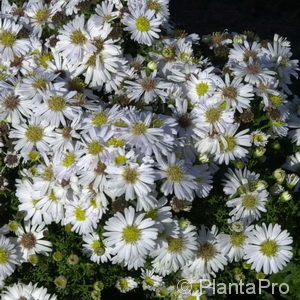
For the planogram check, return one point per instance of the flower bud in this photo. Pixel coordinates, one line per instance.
(285, 197)
(152, 65)
(279, 175)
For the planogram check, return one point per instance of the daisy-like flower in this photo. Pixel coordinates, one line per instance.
(131, 236)
(231, 144)
(259, 138)
(95, 248)
(293, 163)
(13, 109)
(209, 257)
(175, 251)
(131, 179)
(233, 245)
(249, 206)
(10, 44)
(161, 8)
(30, 238)
(252, 72)
(178, 178)
(240, 180)
(213, 116)
(202, 86)
(57, 107)
(151, 281)
(33, 136)
(9, 257)
(74, 40)
(269, 248)
(244, 52)
(150, 88)
(22, 291)
(236, 94)
(105, 12)
(126, 284)
(81, 216)
(39, 14)
(143, 24)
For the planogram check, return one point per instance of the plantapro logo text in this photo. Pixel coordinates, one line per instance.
(211, 287)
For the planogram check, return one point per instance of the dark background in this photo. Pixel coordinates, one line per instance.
(264, 17)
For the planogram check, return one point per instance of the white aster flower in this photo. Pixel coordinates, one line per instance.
(143, 25)
(151, 281)
(131, 236)
(31, 240)
(269, 248)
(126, 284)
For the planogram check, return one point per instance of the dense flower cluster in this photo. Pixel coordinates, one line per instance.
(115, 142)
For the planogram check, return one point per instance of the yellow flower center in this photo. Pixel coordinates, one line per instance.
(123, 284)
(94, 148)
(269, 248)
(230, 144)
(149, 281)
(57, 103)
(175, 245)
(130, 175)
(249, 201)
(212, 115)
(69, 160)
(120, 159)
(100, 119)
(175, 173)
(202, 88)
(79, 214)
(152, 214)
(276, 100)
(4, 256)
(237, 239)
(139, 128)
(98, 247)
(34, 133)
(131, 234)
(77, 37)
(142, 24)
(116, 142)
(42, 15)
(155, 5)
(39, 84)
(48, 174)
(7, 39)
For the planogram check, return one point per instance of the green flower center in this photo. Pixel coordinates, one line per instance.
(131, 234)
(77, 37)
(7, 39)
(258, 137)
(151, 214)
(52, 196)
(175, 173)
(152, 4)
(269, 248)
(42, 15)
(69, 160)
(237, 240)
(230, 143)
(100, 119)
(207, 251)
(98, 247)
(3, 256)
(123, 284)
(202, 88)
(34, 133)
(130, 175)
(175, 245)
(139, 128)
(94, 148)
(116, 142)
(79, 214)
(120, 159)
(57, 103)
(276, 100)
(48, 174)
(39, 84)
(142, 24)
(149, 281)
(212, 115)
(249, 201)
